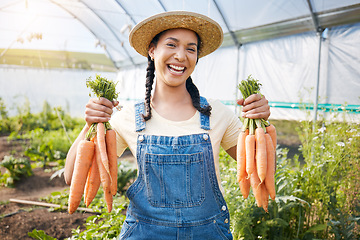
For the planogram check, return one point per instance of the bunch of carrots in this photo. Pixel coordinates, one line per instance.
(96, 158)
(256, 153)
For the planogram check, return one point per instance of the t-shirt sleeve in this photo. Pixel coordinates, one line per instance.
(120, 122)
(121, 145)
(232, 132)
(227, 123)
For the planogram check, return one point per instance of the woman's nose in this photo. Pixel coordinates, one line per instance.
(180, 55)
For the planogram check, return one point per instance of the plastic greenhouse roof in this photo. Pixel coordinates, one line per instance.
(102, 26)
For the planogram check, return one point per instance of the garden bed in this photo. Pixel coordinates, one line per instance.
(19, 219)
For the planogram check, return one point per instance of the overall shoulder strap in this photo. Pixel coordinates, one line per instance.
(139, 120)
(204, 119)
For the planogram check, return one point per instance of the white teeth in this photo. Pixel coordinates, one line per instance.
(178, 68)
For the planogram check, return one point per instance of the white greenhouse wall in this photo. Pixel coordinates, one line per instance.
(287, 67)
(66, 88)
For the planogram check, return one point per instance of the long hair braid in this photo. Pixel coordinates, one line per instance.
(150, 74)
(195, 97)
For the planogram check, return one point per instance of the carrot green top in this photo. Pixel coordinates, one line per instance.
(102, 87)
(248, 87)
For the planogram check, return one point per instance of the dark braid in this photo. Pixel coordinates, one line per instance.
(150, 70)
(195, 97)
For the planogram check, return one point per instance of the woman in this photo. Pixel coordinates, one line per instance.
(175, 134)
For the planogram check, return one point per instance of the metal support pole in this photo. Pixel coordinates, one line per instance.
(237, 77)
(319, 31)
(317, 82)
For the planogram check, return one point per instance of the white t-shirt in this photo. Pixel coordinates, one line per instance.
(225, 127)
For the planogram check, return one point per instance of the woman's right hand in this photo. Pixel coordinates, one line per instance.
(99, 110)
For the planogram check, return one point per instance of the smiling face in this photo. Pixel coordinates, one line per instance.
(175, 55)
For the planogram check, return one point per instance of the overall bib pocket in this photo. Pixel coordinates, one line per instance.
(175, 180)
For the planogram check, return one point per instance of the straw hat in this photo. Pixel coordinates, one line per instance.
(209, 31)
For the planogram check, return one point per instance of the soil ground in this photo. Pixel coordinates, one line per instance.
(16, 220)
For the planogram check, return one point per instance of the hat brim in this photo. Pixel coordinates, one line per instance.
(209, 31)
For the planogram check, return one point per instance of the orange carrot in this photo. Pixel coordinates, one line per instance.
(260, 156)
(241, 156)
(270, 173)
(257, 190)
(87, 179)
(87, 182)
(83, 160)
(92, 183)
(244, 185)
(108, 198)
(250, 154)
(265, 197)
(271, 130)
(110, 140)
(101, 145)
(104, 177)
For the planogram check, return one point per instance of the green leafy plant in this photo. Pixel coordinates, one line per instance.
(40, 235)
(49, 143)
(106, 225)
(60, 198)
(51, 118)
(47, 136)
(46, 146)
(329, 179)
(16, 168)
(6, 125)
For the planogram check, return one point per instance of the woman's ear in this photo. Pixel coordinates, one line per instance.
(151, 51)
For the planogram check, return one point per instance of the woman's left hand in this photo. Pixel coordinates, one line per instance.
(255, 106)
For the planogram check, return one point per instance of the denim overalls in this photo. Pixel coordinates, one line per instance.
(176, 194)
